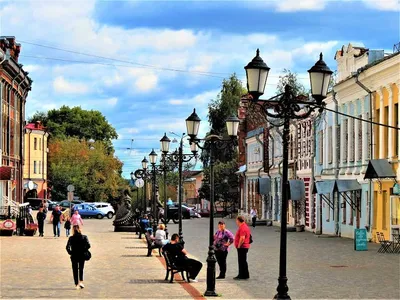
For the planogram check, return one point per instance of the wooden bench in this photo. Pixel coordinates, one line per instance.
(173, 269)
(151, 246)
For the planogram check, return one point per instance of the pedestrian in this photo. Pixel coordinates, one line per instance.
(56, 219)
(67, 226)
(223, 238)
(178, 255)
(242, 244)
(45, 206)
(77, 245)
(253, 213)
(76, 218)
(41, 216)
(144, 224)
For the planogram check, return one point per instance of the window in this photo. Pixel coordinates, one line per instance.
(40, 144)
(353, 199)
(40, 167)
(395, 217)
(327, 207)
(375, 211)
(321, 147)
(34, 167)
(330, 145)
(360, 139)
(344, 211)
(346, 139)
(35, 144)
(396, 134)
(352, 139)
(338, 142)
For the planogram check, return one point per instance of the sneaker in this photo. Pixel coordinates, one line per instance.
(78, 287)
(194, 280)
(220, 277)
(81, 285)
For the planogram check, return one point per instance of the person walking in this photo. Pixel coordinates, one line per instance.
(41, 216)
(253, 213)
(76, 218)
(77, 245)
(67, 226)
(223, 238)
(242, 244)
(179, 257)
(56, 219)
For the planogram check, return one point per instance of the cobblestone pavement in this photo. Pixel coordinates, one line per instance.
(33, 267)
(318, 268)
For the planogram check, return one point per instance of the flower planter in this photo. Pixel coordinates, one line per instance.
(6, 232)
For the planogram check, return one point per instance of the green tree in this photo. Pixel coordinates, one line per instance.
(78, 123)
(95, 174)
(291, 79)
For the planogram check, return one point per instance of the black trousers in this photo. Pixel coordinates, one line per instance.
(192, 266)
(41, 224)
(221, 259)
(242, 261)
(253, 219)
(77, 265)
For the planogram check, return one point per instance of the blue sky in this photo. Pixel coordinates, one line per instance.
(131, 47)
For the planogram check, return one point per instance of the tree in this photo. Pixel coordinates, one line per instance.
(95, 174)
(78, 123)
(290, 78)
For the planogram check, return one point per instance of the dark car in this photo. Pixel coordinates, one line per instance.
(52, 204)
(34, 202)
(204, 213)
(67, 204)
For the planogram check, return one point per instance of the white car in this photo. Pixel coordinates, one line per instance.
(106, 208)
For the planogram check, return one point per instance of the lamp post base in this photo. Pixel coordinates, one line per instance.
(211, 261)
(280, 297)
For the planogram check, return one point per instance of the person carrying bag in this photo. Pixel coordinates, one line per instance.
(78, 248)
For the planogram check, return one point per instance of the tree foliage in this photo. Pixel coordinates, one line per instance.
(95, 174)
(290, 78)
(78, 123)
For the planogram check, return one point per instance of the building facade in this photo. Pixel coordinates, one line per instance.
(14, 88)
(35, 161)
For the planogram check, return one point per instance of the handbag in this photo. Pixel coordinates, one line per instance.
(87, 255)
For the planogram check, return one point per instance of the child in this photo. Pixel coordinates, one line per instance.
(67, 225)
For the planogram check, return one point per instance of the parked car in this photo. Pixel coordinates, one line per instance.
(88, 210)
(52, 204)
(106, 208)
(34, 202)
(66, 204)
(204, 212)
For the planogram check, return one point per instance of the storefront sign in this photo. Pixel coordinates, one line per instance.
(360, 240)
(6, 173)
(8, 224)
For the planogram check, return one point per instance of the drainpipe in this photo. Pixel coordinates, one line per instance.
(312, 163)
(370, 145)
(336, 199)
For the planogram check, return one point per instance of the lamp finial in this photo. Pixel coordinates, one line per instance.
(258, 52)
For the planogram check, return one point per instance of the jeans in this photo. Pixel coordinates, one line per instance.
(221, 259)
(77, 265)
(67, 232)
(41, 224)
(56, 227)
(192, 266)
(242, 261)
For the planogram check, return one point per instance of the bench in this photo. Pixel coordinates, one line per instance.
(173, 269)
(151, 245)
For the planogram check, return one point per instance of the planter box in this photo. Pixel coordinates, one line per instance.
(6, 232)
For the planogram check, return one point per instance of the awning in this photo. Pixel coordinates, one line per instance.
(264, 186)
(297, 190)
(242, 169)
(379, 168)
(347, 185)
(35, 186)
(324, 187)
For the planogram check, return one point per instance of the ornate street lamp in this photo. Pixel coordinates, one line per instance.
(177, 157)
(144, 166)
(212, 144)
(285, 107)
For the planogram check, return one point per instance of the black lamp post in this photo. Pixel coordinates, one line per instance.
(212, 144)
(144, 166)
(137, 188)
(179, 158)
(285, 107)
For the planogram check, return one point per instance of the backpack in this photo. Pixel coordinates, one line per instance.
(251, 239)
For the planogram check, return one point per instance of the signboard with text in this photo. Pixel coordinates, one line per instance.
(360, 240)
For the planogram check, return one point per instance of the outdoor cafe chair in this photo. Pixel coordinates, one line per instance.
(386, 245)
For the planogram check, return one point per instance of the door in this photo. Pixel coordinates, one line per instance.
(358, 208)
(394, 216)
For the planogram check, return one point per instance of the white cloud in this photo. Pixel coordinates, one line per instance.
(390, 5)
(60, 85)
(145, 83)
(112, 101)
(175, 102)
(133, 130)
(31, 68)
(296, 5)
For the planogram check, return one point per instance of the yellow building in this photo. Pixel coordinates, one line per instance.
(383, 80)
(35, 161)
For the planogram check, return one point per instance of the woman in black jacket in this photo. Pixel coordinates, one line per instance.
(77, 245)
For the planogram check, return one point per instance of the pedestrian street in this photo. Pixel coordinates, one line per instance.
(36, 267)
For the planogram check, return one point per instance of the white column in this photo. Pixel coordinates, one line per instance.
(334, 142)
(390, 122)
(350, 124)
(342, 145)
(357, 155)
(365, 142)
(381, 121)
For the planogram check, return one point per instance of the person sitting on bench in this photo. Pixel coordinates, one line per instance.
(178, 254)
(144, 224)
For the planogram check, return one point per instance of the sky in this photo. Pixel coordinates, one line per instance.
(146, 64)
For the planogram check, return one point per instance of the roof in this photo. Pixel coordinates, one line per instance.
(191, 173)
(35, 126)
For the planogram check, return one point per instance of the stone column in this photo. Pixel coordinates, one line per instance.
(390, 122)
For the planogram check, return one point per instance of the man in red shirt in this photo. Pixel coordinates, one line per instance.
(242, 244)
